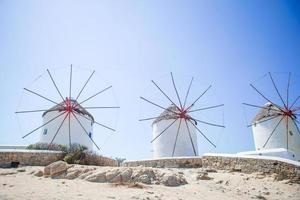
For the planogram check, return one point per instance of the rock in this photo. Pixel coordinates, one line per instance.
(144, 174)
(113, 176)
(126, 175)
(39, 173)
(99, 177)
(73, 174)
(203, 176)
(116, 179)
(266, 193)
(210, 170)
(260, 176)
(56, 169)
(173, 180)
(47, 170)
(279, 177)
(21, 170)
(144, 179)
(260, 197)
(85, 174)
(237, 168)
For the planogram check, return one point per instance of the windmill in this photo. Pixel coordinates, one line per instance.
(68, 121)
(174, 130)
(275, 126)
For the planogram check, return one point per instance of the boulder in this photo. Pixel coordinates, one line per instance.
(173, 180)
(126, 175)
(113, 176)
(203, 176)
(144, 174)
(99, 177)
(144, 179)
(73, 174)
(55, 169)
(39, 173)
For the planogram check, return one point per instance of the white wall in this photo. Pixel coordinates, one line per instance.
(78, 135)
(163, 145)
(262, 131)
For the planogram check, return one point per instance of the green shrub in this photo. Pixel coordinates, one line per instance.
(46, 146)
(73, 155)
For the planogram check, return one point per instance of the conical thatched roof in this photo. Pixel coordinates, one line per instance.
(79, 109)
(168, 114)
(266, 112)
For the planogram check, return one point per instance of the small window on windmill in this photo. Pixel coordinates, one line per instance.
(90, 134)
(291, 133)
(45, 131)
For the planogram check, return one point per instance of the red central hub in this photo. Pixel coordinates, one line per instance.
(68, 105)
(182, 114)
(288, 113)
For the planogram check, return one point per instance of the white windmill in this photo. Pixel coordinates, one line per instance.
(174, 130)
(69, 121)
(275, 128)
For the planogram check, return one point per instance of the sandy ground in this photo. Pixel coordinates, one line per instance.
(20, 183)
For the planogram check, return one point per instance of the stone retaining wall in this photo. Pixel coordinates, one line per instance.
(283, 169)
(29, 157)
(91, 159)
(186, 162)
(44, 157)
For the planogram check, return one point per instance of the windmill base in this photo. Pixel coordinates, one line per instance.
(276, 152)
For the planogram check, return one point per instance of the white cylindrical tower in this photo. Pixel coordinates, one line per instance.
(266, 122)
(78, 134)
(164, 144)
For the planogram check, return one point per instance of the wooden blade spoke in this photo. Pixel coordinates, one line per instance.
(287, 132)
(294, 102)
(30, 111)
(70, 142)
(208, 123)
(58, 130)
(176, 137)
(294, 122)
(176, 91)
(187, 93)
(95, 95)
(165, 94)
(288, 90)
(266, 108)
(202, 134)
(272, 132)
(266, 97)
(107, 127)
(150, 118)
(164, 130)
(262, 121)
(70, 89)
(41, 96)
(102, 107)
(198, 98)
(55, 85)
(277, 90)
(190, 136)
(207, 108)
(84, 85)
(158, 105)
(44, 124)
(85, 130)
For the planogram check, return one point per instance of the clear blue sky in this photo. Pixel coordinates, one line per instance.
(226, 43)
